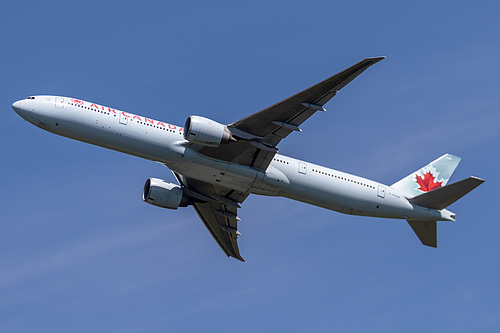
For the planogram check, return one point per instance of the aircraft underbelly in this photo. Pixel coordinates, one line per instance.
(230, 175)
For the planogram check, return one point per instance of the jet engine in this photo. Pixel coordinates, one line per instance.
(161, 193)
(206, 132)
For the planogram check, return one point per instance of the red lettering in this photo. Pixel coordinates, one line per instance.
(94, 106)
(149, 120)
(172, 126)
(135, 116)
(111, 110)
(125, 115)
(160, 123)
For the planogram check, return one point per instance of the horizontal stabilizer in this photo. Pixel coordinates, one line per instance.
(426, 231)
(444, 196)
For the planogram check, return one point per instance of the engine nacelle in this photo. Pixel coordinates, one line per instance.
(163, 194)
(206, 132)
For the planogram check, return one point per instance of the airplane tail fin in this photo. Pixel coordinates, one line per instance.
(432, 176)
(427, 188)
(439, 199)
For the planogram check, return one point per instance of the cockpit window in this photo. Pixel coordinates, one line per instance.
(31, 97)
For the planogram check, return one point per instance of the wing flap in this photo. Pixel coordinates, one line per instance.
(222, 228)
(217, 208)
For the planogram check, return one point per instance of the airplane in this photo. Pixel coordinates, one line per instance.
(218, 166)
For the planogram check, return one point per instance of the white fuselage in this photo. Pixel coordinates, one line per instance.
(162, 142)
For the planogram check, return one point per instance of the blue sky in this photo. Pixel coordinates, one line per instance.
(80, 251)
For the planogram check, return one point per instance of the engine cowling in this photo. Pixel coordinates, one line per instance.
(206, 132)
(161, 193)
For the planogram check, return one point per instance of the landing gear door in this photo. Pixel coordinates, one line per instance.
(381, 191)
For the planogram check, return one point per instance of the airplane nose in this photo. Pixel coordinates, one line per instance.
(17, 106)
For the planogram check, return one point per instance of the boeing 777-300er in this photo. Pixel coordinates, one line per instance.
(217, 166)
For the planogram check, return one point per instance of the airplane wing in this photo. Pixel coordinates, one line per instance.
(258, 134)
(217, 209)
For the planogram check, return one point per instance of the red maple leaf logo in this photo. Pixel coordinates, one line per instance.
(428, 182)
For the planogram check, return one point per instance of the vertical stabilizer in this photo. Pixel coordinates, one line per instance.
(432, 176)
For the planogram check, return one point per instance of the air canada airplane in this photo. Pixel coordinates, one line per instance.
(217, 166)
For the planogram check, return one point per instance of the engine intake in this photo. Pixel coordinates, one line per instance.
(206, 132)
(161, 193)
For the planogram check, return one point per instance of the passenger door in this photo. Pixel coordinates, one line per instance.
(302, 168)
